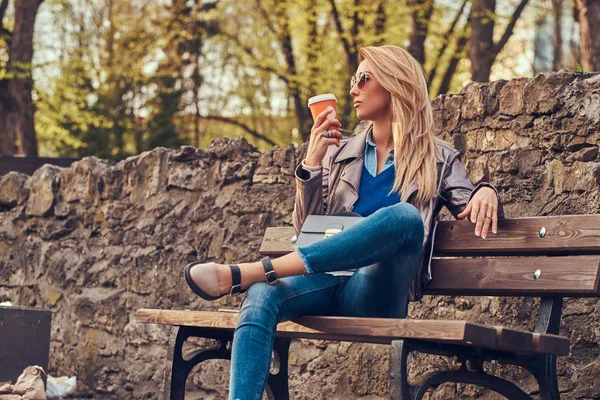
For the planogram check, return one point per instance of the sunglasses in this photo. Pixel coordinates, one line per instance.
(361, 79)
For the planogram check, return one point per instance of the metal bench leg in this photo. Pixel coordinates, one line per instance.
(498, 385)
(543, 368)
(177, 371)
(277, 384)
(178, 368)
(399, 387)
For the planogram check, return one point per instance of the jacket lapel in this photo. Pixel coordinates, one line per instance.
(355, 147)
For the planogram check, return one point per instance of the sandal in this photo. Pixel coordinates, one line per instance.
(211, 290)
(210, 283)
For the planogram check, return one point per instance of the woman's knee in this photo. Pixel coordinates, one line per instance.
(262, 300)
(406, 218)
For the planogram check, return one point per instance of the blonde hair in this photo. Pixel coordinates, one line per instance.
(415, 146)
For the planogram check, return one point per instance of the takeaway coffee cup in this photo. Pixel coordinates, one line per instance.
(319, 103)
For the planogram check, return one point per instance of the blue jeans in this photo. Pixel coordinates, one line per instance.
(386, 249)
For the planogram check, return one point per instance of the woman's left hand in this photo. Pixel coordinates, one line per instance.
(483, 209)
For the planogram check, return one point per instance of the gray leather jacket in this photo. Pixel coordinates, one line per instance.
(454, 192)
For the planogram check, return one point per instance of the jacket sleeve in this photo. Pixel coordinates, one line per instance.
(311, 193)
(457, 189)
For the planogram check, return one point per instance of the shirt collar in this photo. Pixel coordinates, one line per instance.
(372, 144)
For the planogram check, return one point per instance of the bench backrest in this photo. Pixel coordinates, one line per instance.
(535, 256)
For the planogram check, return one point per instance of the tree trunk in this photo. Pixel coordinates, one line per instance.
(4, 33)
(8, 145)
(16, 105)
(557, 11)
(350, 43)
(420, 15)
(445, 43)
(380, 22)
(456, 57)
(314, 45)
(588, 15)
(300, 106)
(451, 70)
(482, 41)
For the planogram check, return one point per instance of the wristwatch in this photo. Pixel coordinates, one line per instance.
(270, 275)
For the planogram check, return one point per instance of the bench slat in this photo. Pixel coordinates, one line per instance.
(377, 330)
(515, 340)
(521, 341)
(565, 235)
(277, 241)
(565, 276)
(367, 330)
(547, 343)
(561, 275)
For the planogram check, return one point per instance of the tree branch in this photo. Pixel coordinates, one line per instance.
(340, 29)
(447, 35)
(285, 39)
(445, 85)
(265, 15)
(456, 57)
(509, 28)
(356, 22)
(240, 125)
(258, 64)
(420, 11)
(208, 6)
(380, 21)
(3, 31)
(3, 7)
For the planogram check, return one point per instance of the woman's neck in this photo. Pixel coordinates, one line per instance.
(382, 134)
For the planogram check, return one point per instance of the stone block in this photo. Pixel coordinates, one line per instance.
(14, 189)
(80, 181)
(511, 97)
(43, 189)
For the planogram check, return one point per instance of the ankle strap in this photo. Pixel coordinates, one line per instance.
(270, 275)
(236, 280)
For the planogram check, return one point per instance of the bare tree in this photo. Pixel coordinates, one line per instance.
(483, 51)
(285, 38)
(420, 14)
(455, 59)
(587, 13)
(16, 105)
(446, 41)
(380, 22)
(557, 10)
(351, 43)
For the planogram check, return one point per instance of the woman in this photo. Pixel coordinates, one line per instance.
(398, 175)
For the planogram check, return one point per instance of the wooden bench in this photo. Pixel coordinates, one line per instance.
(546, 257)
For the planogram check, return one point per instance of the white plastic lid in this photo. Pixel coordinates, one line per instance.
(322, 97)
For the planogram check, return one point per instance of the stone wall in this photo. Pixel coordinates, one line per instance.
(95, 243)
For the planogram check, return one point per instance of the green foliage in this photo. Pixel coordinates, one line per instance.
(66, 124)
(133, 75)
(580, 69)
(162, 128)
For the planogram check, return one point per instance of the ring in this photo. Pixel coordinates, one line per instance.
(488, 216)
(327, 134)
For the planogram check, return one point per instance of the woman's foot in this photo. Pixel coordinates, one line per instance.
(212, 281)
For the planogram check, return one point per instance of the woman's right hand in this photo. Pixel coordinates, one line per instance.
(318, 144)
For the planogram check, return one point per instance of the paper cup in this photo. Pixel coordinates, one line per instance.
(318, 104)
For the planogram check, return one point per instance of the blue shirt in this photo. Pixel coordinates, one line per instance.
(374, 192)
(371, 156)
